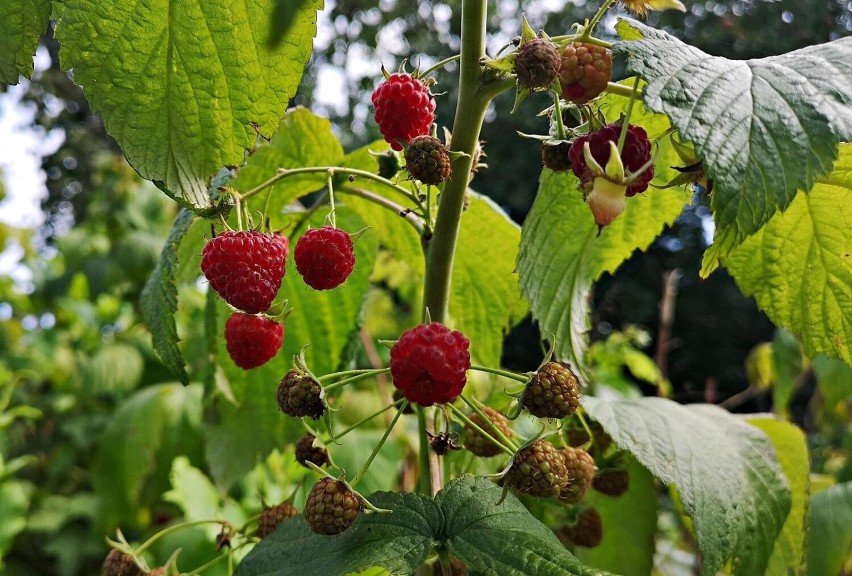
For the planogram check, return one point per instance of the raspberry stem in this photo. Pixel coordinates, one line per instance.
(345, 381)
(175, 528)
(488, 421)
(410, 216)
(523, 378)
(357, 424)
(378, 447)
(439, 64)
(626, 124)
(590, 27)
(461, 416)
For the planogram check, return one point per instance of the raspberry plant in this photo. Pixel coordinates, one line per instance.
(381, 487)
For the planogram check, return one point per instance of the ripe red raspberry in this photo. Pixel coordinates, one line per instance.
(118, 563)
(252, 340)
(272, 516)
(404, 108)
(587, 531)
(537, 64)
(245, 268)
(429, 364)
(605, 193)
(586, 69)
(581, 473)
(331, 507)
(325, 257)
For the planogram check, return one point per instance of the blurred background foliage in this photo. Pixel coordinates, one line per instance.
(76, 360)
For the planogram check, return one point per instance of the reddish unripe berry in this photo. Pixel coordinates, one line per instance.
(404, 108)
(245, 268)
(325, 257)
(585, 71)
(429, 364)
(252, 340)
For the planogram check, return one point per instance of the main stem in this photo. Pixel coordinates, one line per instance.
(470, 114)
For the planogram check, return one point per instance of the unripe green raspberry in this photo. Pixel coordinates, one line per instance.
(331, 507)
(553, 392)
(538, 470)
(480, 444)
(537, 64)
(427, 160)
(581, 472)
(307, 452)
(272, 516)
(612, 482)
(298, 395)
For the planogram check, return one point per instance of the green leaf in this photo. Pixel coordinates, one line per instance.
(504, 538)
(835, 380)
(179, 85)
(114, 368)
(159, 299)
(399, 541)
(788, 555)
(629, 526)
(354, 449)
(830, 538)
(787, 366)
(302, 140)
(15, 503)
(765, 128)
(799, 266)
(485, 302)
(136, 450)
(22, 23)
(725, 470)
(240, 435)
(561, 255)
(192, 492)
(464, 517)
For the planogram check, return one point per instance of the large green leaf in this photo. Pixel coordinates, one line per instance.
(561, 254)
(179, 84)
(145, 434)
(302, 140)
(788, 555)
(629, 526)
(159, 299)
(485, 302)
(799, 266)
(725, 470)
(465, 517)
(22, 23)
(765, 128)
(324, 321)
(830, 537)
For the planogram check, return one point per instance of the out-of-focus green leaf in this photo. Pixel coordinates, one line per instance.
(830, 536)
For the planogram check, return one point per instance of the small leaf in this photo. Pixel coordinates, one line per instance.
(765, 128)
(561, 255)
(629, 526)
(830, 538)
(22, 23)
(179, 85)
(485, 302)
(399, 541)
(725, 470)
(835, 380)
(503, 538)
(159, 300)
(799, 266)
(788, 554)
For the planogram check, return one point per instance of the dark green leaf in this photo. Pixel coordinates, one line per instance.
(765, 128)
(830, 538)
(22, 23)
(159, 300)
(725, 470)
(180, 84)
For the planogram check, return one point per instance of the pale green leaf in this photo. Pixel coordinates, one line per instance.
(799, 266)
(351, 451)
(788, 555)
(22, 23)
(835, 380)
(629, 526)
(114, 368)
(830, 537)
(15, 499)
(159, 299)
(179, 84)
(485, 302)
(192, 491)
(136, 450)
(561, 254)
(725, 470)
(303, 140)
(765, 128)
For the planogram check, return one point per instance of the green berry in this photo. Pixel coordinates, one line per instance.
(331, 507)
(538, 470)
(299, 395)
(581, 472)
(553, 392)
(427, 160)
(272, 516)
(478, 443)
